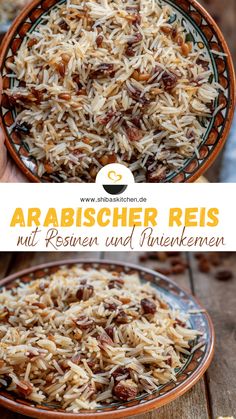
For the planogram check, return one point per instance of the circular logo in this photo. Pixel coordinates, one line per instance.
(114, 178)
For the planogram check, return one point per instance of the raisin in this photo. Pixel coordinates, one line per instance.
(136, 95)
(76, 80)
(148, 306)
(109, 115)
(99, 40)
(130, 52)
(116, 283)
(4, 315)
(63, 25)
(103, 70)
(104, 340)
(135, 39)
(120, 372)
(179, 323)
(136, 121)
(84, 292)
(125, 390)
(225, 275)
(110, 306)
(134, 134)
(169, 80)
(136, 19)
(84, 323)
(23, 128)
(122, 317)
(169, 361)
(38, 95)
(76, 358)
(110, 332)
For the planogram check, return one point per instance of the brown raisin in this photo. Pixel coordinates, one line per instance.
(224, 275)
(99, 40)
(135, 39)
(108, 116)
(84, 323)
(110, 332)
(134, 134)
(76, 358)
(169, 80)
(110, 306)
(125, 390)
(63, 25)
(103, 70)
(148, 306)
(120, 373)
(130, 52)
(84, 292)
(104, 340)
(122, 317)
(169, 361)
(116, 283)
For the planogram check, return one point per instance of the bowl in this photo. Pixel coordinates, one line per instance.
(187, 376)
(201, 28)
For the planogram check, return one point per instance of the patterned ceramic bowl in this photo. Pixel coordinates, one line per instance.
(201, 28)
(193, 369)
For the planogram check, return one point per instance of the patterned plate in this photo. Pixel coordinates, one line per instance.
(201, 29)
(193, 369)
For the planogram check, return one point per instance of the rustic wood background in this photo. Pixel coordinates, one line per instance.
(215, 394)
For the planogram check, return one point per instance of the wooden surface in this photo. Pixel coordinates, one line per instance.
(215, 394)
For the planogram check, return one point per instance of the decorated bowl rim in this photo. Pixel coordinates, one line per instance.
(206, 162)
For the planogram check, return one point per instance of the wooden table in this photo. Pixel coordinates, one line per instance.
(215, 394)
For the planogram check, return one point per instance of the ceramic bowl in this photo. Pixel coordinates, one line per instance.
(193, 369)
(201, 28)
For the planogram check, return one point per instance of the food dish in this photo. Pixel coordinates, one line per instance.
(137, 313)
(86, 103)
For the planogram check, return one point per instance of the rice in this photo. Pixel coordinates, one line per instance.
(10, 9)
(111, 81)
(86, 338)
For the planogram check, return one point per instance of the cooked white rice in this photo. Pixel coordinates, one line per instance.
(9, 9)
(111, 81)
(86, 338)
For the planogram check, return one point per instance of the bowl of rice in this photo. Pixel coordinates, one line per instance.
(148, 84)
(98, 339)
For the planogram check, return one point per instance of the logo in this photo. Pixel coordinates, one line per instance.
(115, 178)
